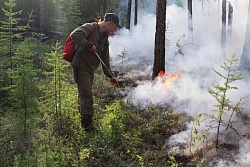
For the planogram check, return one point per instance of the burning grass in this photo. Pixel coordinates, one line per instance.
(167, 78)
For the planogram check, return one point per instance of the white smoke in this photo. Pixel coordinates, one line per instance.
(243, 158)
(139, 42)
(194, 60)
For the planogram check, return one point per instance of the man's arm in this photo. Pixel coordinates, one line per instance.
(80, 34)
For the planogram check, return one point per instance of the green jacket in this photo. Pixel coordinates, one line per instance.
(83, 57)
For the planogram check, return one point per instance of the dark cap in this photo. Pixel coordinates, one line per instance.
(112, 17)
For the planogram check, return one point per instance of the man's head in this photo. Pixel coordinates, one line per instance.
(110, 24)
(112, 17)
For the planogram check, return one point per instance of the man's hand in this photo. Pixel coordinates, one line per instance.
(92, 49)
(113, 80)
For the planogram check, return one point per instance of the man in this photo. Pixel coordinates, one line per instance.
(91, 38)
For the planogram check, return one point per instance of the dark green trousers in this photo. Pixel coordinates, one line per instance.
(84, 82)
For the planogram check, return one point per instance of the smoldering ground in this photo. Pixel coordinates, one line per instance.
(195, 61)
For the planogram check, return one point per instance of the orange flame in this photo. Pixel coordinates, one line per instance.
(167, 78)
(99, 20)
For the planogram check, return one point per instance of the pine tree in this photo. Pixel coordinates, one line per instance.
(129, 14)
(10, 32)
(245, 57)
(219, 92)
(136, 12)
(190, 21)
(68, 16)
(42, 16)
(159, 51)
(23, 96)
(223, 29)
(57, 86)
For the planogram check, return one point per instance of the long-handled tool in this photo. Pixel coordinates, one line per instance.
(114, 80)
(104, 65)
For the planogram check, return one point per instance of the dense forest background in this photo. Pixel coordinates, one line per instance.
(55, 15)
(139, 120)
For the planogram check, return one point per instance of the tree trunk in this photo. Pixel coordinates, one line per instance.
(136, 11)
(230, 19)
(159, 52)
(245, 57)
(42, 16)
(190, 21)
(129, 14)
(223, 29)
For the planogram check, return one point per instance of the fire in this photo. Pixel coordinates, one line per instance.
(99, 20)
(167, 78)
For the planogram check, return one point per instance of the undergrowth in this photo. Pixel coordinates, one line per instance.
(127, 136)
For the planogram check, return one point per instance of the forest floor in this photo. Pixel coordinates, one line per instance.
(190, 151)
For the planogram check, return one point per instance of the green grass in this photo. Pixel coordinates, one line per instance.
(127, 136)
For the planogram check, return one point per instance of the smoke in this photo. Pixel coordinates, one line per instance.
(194, 61)
(139, 42)
(243, 158)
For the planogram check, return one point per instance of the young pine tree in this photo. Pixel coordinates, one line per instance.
(23, 97)
(55, 97)
(9, 32)
(220, 91)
